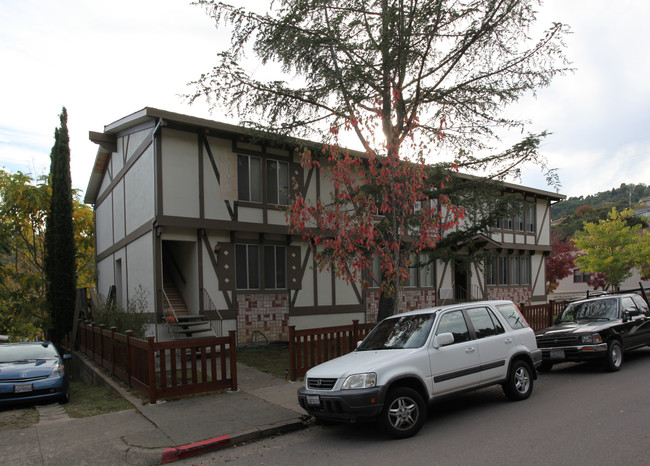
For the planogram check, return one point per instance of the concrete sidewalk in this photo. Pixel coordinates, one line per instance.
(162, 432)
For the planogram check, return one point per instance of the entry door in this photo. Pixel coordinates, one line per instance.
(455, 366)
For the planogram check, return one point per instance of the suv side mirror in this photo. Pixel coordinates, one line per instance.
(443, 339)
(629, 313)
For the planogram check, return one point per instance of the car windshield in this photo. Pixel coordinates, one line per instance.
(14, 353)
(602, 309)
(399, 333)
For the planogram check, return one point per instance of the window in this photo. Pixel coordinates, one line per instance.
(277, 182)
(247, 266)
(508, 270)
(519, 221)
(504, 270)
(530, 218)
(640, 303)
(454, 322)
(248, 269)
(483, 323)
(426, 271)
(249, 178)
(412, 280)
(525, 270)
(581, 277)
(375, 281)
(491, 270)
(275, 267)
(514, 270)
(513, 316)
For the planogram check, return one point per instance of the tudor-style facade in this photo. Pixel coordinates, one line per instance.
(199, 206)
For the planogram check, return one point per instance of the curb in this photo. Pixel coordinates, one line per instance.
(218, 443)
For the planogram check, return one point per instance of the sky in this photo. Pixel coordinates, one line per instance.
(106, 60)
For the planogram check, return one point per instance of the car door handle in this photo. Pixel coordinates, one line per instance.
(470, 349)
(508, 341)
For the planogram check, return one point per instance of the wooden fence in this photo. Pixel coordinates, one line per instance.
(540, 316)
(163, 369)
(310, 347)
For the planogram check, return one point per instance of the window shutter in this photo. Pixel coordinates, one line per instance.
(294, 268)
(226, 266)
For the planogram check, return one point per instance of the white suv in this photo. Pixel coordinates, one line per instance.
(411, 358)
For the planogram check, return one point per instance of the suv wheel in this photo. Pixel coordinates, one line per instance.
(519, 385)
(614, 359)
(404, 413)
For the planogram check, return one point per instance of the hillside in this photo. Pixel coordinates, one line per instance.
(621, 198)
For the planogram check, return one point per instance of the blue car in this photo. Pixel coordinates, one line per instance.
(32, 372)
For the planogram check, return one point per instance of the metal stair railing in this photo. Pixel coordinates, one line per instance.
(208, 305)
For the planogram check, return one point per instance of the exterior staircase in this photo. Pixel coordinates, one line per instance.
(182, 324)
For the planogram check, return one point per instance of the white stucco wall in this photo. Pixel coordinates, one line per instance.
(104, 224)
(118, 211)
(180, 173)
(140, 191)
(105, 275)
(139, 254)
(216, 192)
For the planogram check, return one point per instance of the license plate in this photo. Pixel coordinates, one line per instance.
(23, 388)
(557, 354)
(313, 400)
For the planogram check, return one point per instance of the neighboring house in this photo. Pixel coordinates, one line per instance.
(195, 208)
(575, 285)
(642, 209)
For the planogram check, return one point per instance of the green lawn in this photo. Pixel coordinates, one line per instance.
(91, 400)
(271, 359)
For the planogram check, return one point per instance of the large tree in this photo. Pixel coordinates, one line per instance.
(613, 248)
(60, 255)
(560, 262)
(403, 78)
(24, 202)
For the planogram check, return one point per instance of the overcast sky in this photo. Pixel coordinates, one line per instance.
(105, 60)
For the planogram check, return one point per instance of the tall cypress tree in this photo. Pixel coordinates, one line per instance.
(59, 237)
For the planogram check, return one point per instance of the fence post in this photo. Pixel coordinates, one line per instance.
(551, 307)
(92, 341)
(101, 344)
(151, 361)
(113, 349)
(129, 355)
(233, 359)
(292, 352)
(355, 334)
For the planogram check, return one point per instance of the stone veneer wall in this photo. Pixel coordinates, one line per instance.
(408, 301)
(517, 295)
(266, 313)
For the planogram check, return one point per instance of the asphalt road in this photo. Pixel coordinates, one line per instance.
(577, 415)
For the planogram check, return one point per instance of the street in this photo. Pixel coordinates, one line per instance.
(577, 415)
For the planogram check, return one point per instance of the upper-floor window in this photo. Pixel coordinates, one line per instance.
(581, 277)
(250, 181)
(523, 220)
(249, 178)
(277, 182)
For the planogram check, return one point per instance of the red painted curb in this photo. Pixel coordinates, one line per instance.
(175, 454)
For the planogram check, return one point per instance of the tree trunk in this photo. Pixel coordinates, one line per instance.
(387, 306)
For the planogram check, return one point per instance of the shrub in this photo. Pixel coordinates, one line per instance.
(134, 317)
